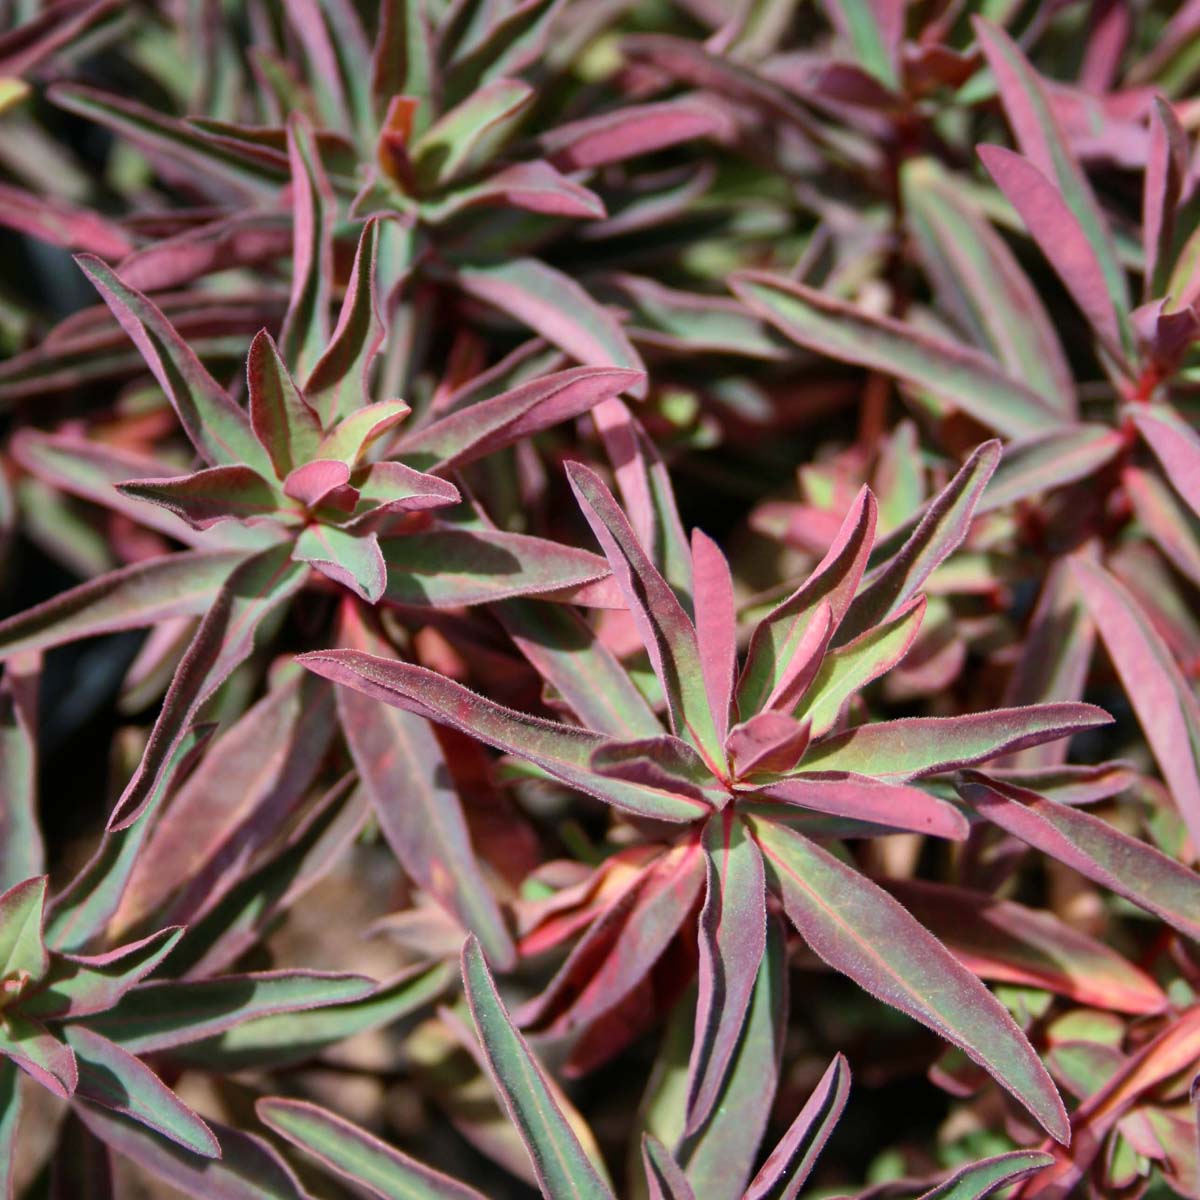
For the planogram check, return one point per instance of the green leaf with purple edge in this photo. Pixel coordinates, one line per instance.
(1143, 875)
(22, 853)
(1165, 180)
(664, 1176)
(405, 60)
(354, 561)
(23, 955)
(1176, 447)
(563, 751)
(283, 421)
(1050, 460)
(875, 46)
(978, 1180)
(532, 186)
(353, 435)
(350, 1152)
(391, 487)
(1170, 525)
(964, 377)
(112, 1077)
(1162, 698)
(215, 494)
(30, 1046)
(562, 1167)
(910, 747)
(504, 46)
(791, 1162)
(859, 930)
(10, 1122)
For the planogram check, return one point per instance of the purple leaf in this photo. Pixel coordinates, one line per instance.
(534, 187)
(212, 495)
(1163, 186)
(716, 626)
(29, 44)
(1176, 447)
(317, 482)
(61, 224)
(770, 742)
(664, 1178)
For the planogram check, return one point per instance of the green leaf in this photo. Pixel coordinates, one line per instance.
(860, 21)
(21, 851)
(38, 1053)
(980, 1179)
(10, 1117)
(563, 1169)
(23, 955)
(208, 496)
(1048, 461)
(349, 559)
(346, 1150)
(861, 931)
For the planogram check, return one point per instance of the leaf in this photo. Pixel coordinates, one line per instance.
(112, 1077)
(57, 223)
(911, 747)
(1162, 698)
(957, 374)
(38, 1053)
(556, 307)
(665, 1179)
(770, 742)
(534, 187)
(404, 61)
(716, 627)
(283, 421)
(665, 628)
(733, 932)
(563, 751)
(860, 22)
(256, 589)
(1049, 460)
(1163, 186)
(351, 560)
(214, 424)
(212, 495)
(351, 1152)
(791, 1162)
(10, 1119)
(23, 956)
(859, 930)
(980, 1179)
(940, 531)
(320, 481)
(391, 487)
(22, 854)
(509, 42)
(1176, 447)
(353, 435)
(1140, 873)
(563, 1169)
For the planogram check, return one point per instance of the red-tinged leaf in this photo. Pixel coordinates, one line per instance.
(733, 932)
(1050, 460)
(534, 187)
(1163, 699)
(212, 495)
(791, 1162)
(54, 28)
(248, 1168)
(351, 437)
(337, 51)
(562, 1166)
(1164, 518)
(662, 761)
(339, 383)
(957, 374)
(1009, 943)
(472, 432)
(1143, 875)
(38, 1053)
(621, 947)
(858, 929)
(632, 130)
(1071, 784)
(940, 531)
(978, 1180)
(317, 482)
(912, 747)
(1165, 179)
(1177, 448)
(664, 1177)
(115, 1079)
(778, 639)
(1059, 236)
(284, 422)
(716, 626)
(22, 854)
(256, 589)
(352, 1153)
(391, 487)
(216, 426)
(862, 798)
(355, 561)
(405, 61)
(23, 956)
(61, 224)
(555, 306)
(452, 567)
(1041, 139)
(162, 1015)
(561, 750)
(306, 326)
(508, 43)
(666, 629)
(402, 765)
(770, 742)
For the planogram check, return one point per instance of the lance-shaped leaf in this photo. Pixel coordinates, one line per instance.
(780, 636)
(872, 801)
(1009, 943)
(208, 496)
(255, 590)
(322, 481)
(1140, 873)
(562, 1167)
(38, 1053)
(1165, 519)
(158, 1016)
(355, 561)
(283, 420)
(914, 746)
(112, 1077)
(352, 436)
(1176, 447)
(716, 626)
(354, 1154)
(958, 374)
(248, 1168)
(483, 428)
(664, 1177)
(666, 630)
(978, 1180)
(391, 487)
(60, 224)
(770, 742)
(504, 45)
(402, 765)
(215, 425)
(452, 567)
(23, 956)
(10, 1117)
(563, 751)
(791, 1162)
(534, 187)
(861, 931)
(22, 855)
(940, 531)
(733, 933)
(555, 306)
(1163, 699)
(1165, 180)
(1050, 460)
